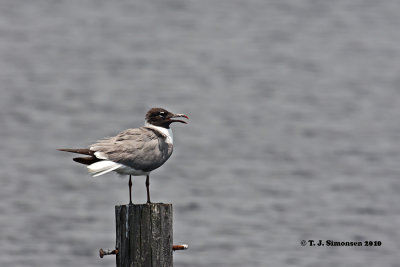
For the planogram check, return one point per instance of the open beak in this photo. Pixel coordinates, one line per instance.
(179, 116)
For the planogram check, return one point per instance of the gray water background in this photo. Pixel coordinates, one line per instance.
(294, 127)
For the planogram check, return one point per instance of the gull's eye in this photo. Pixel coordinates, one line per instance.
(162, 114)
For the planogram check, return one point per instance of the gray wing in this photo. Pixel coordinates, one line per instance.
(140, 148)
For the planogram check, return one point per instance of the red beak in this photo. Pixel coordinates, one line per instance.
(179, 116)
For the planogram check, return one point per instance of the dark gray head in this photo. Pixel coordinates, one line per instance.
(162, 117)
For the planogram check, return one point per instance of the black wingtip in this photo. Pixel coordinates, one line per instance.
(86, 160)
(83, 151)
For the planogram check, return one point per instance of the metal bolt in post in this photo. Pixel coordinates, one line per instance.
(102, 252)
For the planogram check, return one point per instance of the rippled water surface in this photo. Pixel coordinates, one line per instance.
(294, 127)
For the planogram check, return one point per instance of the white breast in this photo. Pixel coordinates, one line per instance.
(166, 132)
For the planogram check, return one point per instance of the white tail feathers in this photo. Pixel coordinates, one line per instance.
(102, 167)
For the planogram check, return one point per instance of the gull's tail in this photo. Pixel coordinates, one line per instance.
(102, 167)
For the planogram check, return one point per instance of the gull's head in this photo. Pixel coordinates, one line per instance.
(163, 118)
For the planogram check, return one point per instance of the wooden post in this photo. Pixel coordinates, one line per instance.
(144, 235)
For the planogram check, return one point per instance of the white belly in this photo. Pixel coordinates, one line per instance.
(130, 171)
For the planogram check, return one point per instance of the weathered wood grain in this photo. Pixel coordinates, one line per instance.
(144, 235)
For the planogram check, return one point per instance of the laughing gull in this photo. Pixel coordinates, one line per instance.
(133, 151)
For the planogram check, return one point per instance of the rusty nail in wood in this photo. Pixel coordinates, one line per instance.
(102, 253)
(180, 247)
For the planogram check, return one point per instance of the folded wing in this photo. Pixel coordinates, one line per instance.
(142, 149)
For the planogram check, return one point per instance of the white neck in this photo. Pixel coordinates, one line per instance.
(166, 132)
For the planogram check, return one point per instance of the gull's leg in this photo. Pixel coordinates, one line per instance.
(130, 190)
(147, 187)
